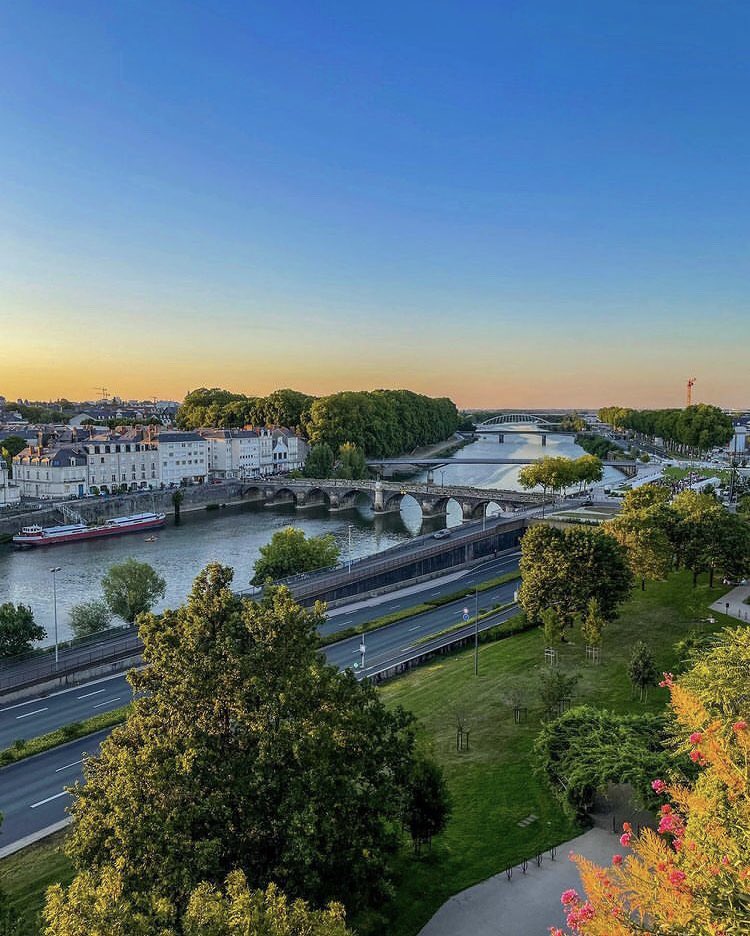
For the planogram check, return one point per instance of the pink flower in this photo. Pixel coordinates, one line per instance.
(658, 786)
(555, 931)
(696, 737)
(617, 860)
(676, 877)
(625, 839)
(695, 756)
(569, 897)
(739, 726)
(666, 683)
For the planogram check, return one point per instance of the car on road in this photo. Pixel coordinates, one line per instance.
(441, 534)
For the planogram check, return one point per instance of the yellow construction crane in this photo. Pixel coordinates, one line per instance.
(689, 394)
(103, 391)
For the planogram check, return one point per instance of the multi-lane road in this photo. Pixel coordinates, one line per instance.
(32, 792)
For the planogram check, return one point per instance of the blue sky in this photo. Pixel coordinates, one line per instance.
(510, 203)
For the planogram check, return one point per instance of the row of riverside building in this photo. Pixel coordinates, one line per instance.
(82, 461)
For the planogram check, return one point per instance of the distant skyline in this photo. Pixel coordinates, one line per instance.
(509, 204)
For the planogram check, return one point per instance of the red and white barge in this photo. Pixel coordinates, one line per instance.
(36, 535)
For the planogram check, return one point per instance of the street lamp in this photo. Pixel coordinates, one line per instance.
(54, 572)
(349, 551)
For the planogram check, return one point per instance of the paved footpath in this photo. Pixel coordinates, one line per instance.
(527, 904)
(733, 603)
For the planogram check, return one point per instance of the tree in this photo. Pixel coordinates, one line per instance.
(647, 546)
(96, 904)
(244, 750)
(554, 628)
(555, 688)
(11, 446)
(690, 876)
(592, 624)
(18, 630)
(291, 552)
(132, 588)
(641, 669)
(564, 569)
(90, 617)
(319, 462)
(428, 802)
(351, 464)
(585, 749)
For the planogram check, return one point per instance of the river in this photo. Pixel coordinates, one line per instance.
(234, 536)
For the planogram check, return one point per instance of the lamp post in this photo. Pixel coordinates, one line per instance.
(349, 550)
(54, 572)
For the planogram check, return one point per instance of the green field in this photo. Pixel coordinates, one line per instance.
(492, 784)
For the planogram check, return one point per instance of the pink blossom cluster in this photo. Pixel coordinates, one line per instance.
(627, 835)
(667, 681)
(658, 786)
(578, 913)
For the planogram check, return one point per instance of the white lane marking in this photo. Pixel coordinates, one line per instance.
(51, 695)
(74, 764)
(404, 649)
(100, 704)
(89, 694)
(416, 627)
(49, 799)
(35, 712)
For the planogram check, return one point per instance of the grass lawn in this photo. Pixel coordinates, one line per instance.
(26, 876)
(492, 785)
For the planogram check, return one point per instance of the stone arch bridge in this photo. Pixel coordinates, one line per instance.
(383, 496)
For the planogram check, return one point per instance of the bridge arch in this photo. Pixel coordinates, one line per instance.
(515, 419)
(284, 495)
(352, 498)
(314, 497)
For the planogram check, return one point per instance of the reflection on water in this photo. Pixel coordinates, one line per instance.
(234, 536)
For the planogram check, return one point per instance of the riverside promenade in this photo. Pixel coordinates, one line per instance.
(733, 603)
(524, 904)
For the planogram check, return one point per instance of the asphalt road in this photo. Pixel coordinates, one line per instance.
(37, 716)
(32, 792)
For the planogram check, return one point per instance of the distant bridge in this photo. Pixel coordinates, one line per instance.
(628, 468)
(384, 496)
(517, 419)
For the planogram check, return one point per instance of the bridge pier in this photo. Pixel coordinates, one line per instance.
(544, 439)
(430, 475)
(500, 438)
(433, 506)
(471, 511)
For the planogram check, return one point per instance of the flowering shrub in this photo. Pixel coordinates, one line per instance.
(692, 876)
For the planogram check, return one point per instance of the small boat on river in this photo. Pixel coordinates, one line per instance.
(35, 535)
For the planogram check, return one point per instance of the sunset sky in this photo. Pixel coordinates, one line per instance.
(510, 203)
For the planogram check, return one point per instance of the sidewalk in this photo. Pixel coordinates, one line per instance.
(733, 603)
(527, 904)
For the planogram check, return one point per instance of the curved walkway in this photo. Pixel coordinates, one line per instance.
(733, 603)
(527, 904)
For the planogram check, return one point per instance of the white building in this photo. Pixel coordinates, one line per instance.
(183, 458)
(289, 451)
(129, 458)
(239, 453)
(52, 473)
(10, 493)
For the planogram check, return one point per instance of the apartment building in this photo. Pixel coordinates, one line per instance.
(183, 458)
(10, 493)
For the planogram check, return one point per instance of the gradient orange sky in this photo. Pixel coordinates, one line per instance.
(510, 204)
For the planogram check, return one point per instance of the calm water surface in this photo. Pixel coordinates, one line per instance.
(234, 536)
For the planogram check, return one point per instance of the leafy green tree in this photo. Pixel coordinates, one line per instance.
(131, 588)
(291, 552)
(96, 905)
(11, 446)
(90, 617)
(428, 802)
(587, 748)
(642, 671)
(564, 569)
(244, 751)
(592, 624)
(18, 630)
(351, 464)
(319, 462)
(555, 688)
(643, 535)
(554, 629)
(720, 674)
